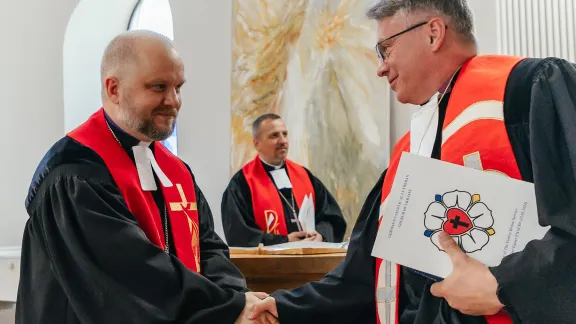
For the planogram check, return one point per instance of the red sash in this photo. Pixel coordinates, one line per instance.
(475, 107)
(180, 198)
(266, 201)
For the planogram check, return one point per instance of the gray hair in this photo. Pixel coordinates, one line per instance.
(457, 11)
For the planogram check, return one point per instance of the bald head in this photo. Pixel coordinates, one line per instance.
(142, 74)
(128, 49)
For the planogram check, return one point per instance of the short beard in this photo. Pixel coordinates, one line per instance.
(144, 126)
(148, 128)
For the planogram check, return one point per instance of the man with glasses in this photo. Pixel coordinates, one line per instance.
(513, 115)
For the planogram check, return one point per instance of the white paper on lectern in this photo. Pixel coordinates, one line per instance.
(304, 245)
(303, 211)
(490, 215)
(310, 223)
(306, 215)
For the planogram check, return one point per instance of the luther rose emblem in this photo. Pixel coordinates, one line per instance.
(462, 215)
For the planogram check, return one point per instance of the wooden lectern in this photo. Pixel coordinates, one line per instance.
(268, 271)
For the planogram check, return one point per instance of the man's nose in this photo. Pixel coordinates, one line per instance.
(382, 69)
(172, 98)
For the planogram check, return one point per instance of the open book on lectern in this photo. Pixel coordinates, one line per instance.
(487, 213)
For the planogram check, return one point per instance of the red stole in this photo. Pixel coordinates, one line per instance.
(180, 199)
(475, 107)
(266, 200)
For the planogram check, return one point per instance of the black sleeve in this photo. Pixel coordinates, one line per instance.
(238, 220)
(106, 266)
(346, 294)
(215, 261)
(538, 284)
(329, 220)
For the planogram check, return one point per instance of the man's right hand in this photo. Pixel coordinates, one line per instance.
(296, 236)
(262, 307)
(255, 313)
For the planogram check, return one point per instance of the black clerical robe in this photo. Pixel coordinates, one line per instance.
(240, 226)
(86, 260)
(537, 285)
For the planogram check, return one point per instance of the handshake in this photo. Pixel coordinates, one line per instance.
(260, 308)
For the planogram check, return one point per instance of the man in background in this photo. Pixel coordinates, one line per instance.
(119, 232)
(507, 114)
(263, 200)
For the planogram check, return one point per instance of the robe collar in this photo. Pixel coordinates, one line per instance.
(269, 167)
(424, 122)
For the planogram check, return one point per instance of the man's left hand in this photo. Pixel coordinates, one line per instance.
(255, 310)
(471, 287)
(314, 236)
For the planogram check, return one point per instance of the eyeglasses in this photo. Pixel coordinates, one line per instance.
(382, 49)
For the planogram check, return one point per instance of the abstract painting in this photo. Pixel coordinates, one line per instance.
(313, 63)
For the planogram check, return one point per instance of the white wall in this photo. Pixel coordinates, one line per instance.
(32, 105)
(91, 26)
(203, 35)
(31, 99)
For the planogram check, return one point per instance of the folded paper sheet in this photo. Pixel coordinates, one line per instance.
(488, 214)
(306, 215)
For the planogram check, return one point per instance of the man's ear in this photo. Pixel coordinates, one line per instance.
(255, 142)
(111, 89)
(437, 34)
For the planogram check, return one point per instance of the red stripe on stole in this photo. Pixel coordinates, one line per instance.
(266, 202)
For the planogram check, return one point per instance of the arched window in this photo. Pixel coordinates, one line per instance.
(156, 15)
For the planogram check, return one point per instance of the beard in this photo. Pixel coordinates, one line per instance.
(146, 126)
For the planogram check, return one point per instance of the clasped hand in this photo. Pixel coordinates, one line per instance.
(471, 287)
(305, 236)
(259, 308)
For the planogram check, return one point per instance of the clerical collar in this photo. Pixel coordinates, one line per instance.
(142, 155)
(274, 167)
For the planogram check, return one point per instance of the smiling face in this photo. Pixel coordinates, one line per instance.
(271, 141)
(410, 57)
(147, 92)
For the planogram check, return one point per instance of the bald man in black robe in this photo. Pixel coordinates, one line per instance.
(119, 232)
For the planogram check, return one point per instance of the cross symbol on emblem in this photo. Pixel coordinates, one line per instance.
(184, 204)
(456, 222)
